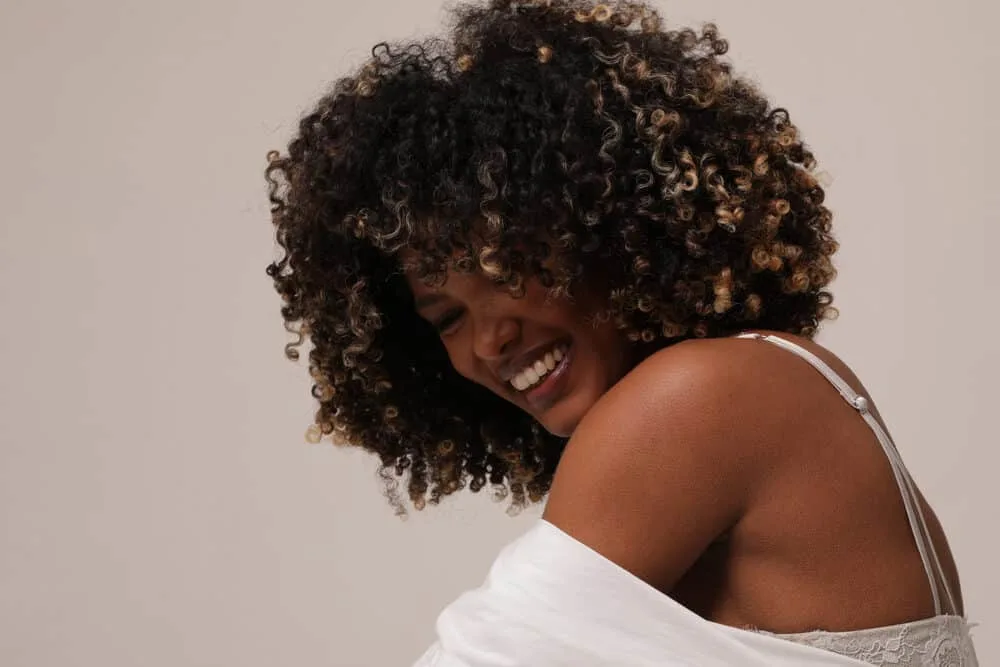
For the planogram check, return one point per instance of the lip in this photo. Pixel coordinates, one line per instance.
(544, 394)
(511, 367)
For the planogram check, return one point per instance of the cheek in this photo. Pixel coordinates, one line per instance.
(606, 346)
(463, 361)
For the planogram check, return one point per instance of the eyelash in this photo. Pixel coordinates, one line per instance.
(447, 320)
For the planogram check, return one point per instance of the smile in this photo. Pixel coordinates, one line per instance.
(534, 372)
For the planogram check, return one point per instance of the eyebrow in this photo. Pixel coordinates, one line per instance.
(429, 300)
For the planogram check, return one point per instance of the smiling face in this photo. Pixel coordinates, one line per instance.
(544, 355)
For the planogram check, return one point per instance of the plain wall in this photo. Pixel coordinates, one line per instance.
(158, 503)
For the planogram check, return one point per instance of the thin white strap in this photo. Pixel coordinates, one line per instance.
(915, 514)
(907, 489)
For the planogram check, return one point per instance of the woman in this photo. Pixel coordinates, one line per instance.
(567, 254)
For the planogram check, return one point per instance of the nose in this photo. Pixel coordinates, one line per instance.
(495, 336)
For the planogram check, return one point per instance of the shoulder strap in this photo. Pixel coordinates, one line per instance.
(907, 489)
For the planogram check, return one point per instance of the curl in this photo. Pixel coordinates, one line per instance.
(540, 140)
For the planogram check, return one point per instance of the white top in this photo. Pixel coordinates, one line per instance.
(551, 601)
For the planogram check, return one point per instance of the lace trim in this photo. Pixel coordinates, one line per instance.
(941, 641)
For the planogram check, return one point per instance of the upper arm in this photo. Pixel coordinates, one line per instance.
(665, 462)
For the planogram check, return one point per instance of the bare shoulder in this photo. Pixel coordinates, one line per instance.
(674, 454)
(667, 460)
(734, 381)
(712, 392)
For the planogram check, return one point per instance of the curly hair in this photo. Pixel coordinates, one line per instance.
(546, 140)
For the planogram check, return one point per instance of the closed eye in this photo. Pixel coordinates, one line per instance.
(448, 322)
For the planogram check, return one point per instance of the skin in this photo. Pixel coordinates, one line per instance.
(488, 334)
(726, 473)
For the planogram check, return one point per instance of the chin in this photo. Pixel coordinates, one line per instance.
(562, 420)
(559, 430)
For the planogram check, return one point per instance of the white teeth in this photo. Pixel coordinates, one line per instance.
(533, 373)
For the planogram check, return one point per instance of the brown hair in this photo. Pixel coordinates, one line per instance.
(541, 140)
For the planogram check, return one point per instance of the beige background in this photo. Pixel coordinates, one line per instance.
(158, 504)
